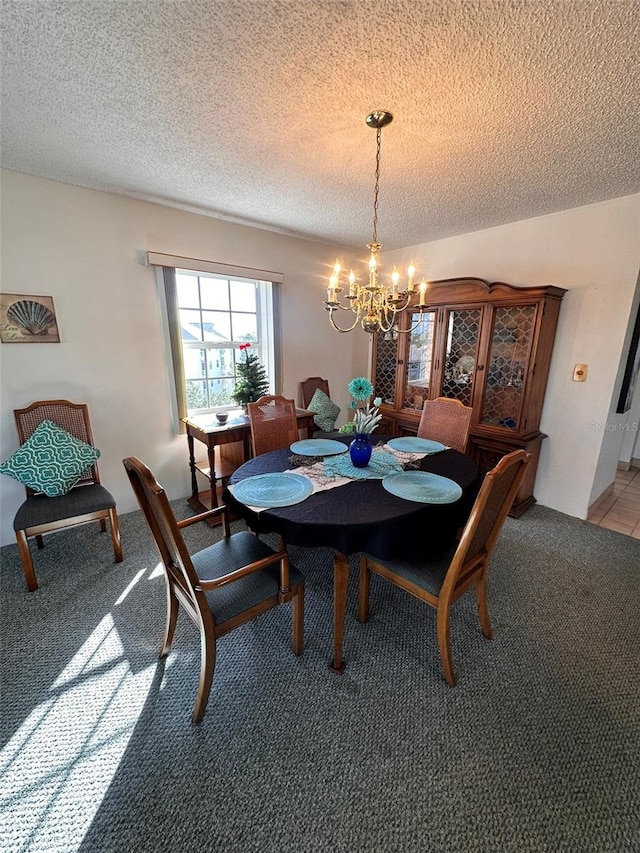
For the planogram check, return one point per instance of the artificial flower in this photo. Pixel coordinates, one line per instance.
(360, 388)
(365, 418)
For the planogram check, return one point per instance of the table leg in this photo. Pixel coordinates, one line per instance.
(192, 467)
(211, 453)
(340, 582)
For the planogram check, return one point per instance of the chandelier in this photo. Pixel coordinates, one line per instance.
(375, 305)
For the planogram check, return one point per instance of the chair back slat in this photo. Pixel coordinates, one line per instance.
(446, 420)
(274, 424)
(72, 417)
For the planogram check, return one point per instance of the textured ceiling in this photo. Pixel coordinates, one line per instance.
(253, 110)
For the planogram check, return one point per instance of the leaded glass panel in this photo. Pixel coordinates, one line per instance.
(463, 328)
(419, 360)
(386, 366)
(510, 343)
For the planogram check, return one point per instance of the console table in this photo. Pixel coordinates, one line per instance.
(228, 446)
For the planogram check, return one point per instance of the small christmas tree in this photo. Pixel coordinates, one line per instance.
(252, 382)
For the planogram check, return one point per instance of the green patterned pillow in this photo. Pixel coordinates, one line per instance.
(325, 409)
(50, 461)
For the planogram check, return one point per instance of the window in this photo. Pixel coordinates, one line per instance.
(216, 315)
(209, 310)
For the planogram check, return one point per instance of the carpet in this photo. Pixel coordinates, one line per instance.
(537, 748)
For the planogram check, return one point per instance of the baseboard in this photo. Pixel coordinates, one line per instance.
(594, 506)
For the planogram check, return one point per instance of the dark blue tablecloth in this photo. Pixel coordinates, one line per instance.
(362, 515)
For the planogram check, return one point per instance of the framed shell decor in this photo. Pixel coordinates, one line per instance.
(27, 319)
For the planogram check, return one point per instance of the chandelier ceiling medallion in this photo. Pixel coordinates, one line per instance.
(376, 306)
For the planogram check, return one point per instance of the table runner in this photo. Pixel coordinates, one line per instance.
(333, 471)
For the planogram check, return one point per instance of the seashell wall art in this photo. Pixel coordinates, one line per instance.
(27, 319)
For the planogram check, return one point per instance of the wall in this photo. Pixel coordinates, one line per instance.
(594, 252)
(630, 447)
(83, 248)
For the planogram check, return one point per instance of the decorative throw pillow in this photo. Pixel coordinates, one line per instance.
(50, 461)
(325, 409)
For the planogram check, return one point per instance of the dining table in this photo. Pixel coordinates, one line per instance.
(362, 513)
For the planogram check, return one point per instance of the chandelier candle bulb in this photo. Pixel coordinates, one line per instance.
(411, 271)
(395, 278)
(423, 293)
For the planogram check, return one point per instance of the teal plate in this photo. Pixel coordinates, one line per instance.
(423, 487)
(318, 447)
(269, 490)
(413, 444)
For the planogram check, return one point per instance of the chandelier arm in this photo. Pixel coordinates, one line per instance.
(337, 328)
(406, 303)
(389, 313)
(415, 325)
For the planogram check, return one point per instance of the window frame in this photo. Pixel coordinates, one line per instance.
(268, 325)
(262, 346)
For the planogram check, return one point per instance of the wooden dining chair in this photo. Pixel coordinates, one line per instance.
(308, 388)
(446, 420)
(274, 424)
(440, 583)
(220, 587)
(86, 500)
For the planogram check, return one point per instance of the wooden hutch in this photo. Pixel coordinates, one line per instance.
(486, 344)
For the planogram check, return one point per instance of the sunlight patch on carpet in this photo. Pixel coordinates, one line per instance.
(59, 764)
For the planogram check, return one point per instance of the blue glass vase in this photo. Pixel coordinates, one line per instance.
(360, 450)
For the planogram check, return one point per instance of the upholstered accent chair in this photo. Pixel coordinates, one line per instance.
(77, 497)
(439, 583)
(446, 420)
(220, 587)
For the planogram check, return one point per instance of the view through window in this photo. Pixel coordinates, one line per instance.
(217, 314)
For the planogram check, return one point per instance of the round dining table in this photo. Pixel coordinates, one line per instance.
(360, 516)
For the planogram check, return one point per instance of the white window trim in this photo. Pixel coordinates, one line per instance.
(268, 313)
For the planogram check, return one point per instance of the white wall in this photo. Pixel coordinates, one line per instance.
(83, 247)
(630, 422)
(594, 252)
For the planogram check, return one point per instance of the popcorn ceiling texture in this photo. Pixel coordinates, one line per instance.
(253, 110)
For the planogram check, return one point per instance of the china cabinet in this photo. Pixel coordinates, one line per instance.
(486, 344)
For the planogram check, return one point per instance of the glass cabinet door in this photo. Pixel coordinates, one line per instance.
(419, 360)
(461, 353)
(511, 338)
(386, 366)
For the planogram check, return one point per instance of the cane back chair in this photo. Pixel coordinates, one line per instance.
(274, 424)
(220, 587)
(87, 501)
(446, 420)
(441, 582)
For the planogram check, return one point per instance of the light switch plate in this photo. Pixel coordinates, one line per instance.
(580, 372)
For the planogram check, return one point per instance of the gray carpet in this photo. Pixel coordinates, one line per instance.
(536, 749)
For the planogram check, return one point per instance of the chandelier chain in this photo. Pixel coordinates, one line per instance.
(374, 305)
(375, 194)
